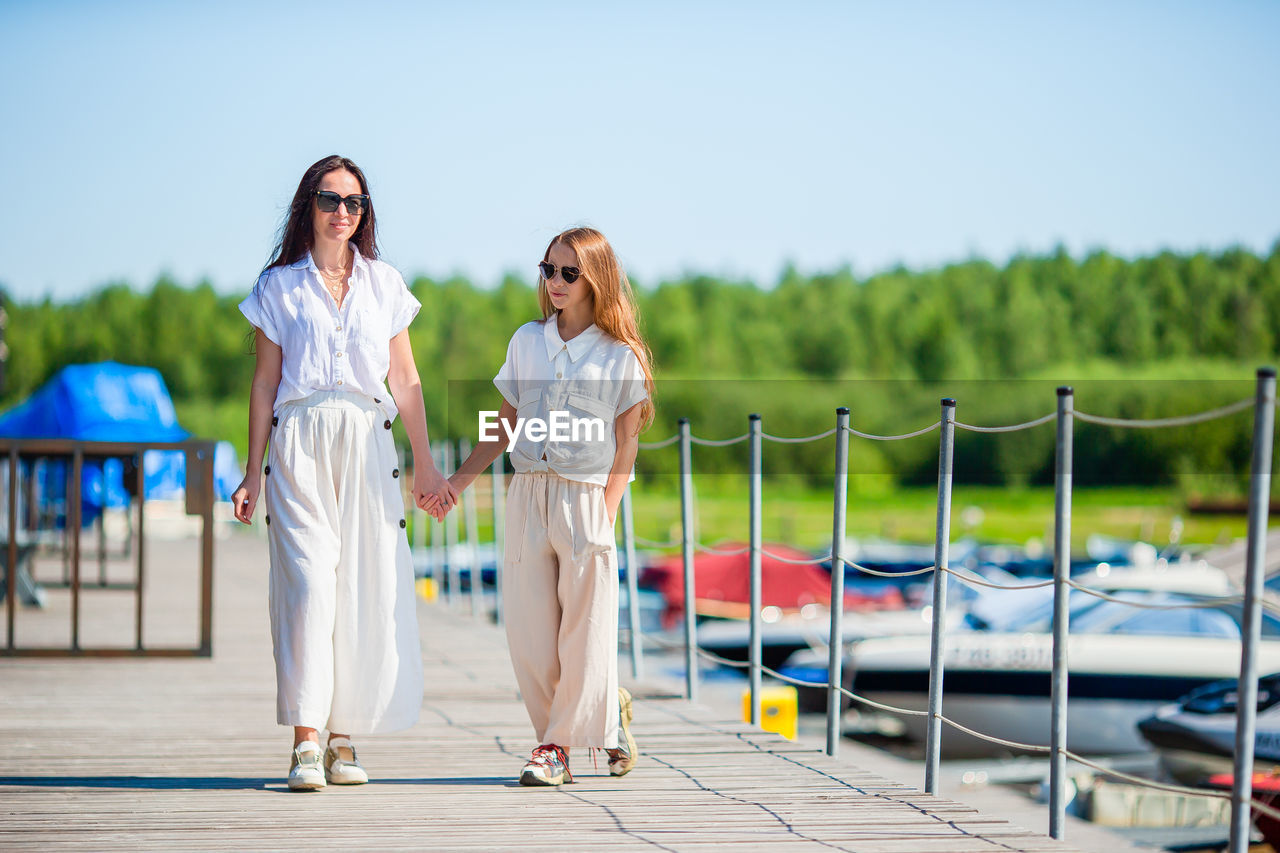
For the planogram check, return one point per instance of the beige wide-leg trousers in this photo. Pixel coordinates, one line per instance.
(343, 618)
(560, 589)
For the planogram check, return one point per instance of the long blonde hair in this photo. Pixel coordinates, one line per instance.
(614, 303)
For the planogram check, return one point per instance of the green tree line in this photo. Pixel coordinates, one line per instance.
(1141, 337)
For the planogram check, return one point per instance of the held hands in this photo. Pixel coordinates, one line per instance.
(432, 492)
(245, 497)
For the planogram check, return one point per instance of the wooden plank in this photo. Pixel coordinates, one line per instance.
(132, 754)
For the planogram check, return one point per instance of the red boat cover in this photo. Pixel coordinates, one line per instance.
(727, 578)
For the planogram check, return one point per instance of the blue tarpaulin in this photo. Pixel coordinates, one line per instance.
(97, 402)
(111, 402)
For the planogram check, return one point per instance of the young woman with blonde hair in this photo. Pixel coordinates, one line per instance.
(585, 369)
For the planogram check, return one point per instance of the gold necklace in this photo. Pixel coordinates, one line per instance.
(333, 283)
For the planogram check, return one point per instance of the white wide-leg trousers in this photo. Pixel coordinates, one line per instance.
(343, 618)
(560, 585)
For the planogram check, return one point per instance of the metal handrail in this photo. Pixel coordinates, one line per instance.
(1065, 416)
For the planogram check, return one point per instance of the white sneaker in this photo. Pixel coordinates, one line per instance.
(341, 767)
(305, 773)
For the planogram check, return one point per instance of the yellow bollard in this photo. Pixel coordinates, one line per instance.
(779, 706)
(426, 588)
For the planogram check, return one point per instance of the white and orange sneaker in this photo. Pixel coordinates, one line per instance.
(548, 766)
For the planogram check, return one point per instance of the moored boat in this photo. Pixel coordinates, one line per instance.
(1196, 737)
(1125, 661)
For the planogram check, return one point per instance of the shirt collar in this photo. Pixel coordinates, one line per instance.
(577, 347)
(306, 262)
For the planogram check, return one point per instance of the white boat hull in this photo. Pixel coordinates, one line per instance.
(999, 684)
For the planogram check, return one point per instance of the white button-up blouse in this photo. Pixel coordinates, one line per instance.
(592, 377)
(326, 348)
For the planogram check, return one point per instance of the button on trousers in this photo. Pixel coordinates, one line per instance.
(560, 585)
(343, 618)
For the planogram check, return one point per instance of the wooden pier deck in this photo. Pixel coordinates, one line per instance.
(172, 754)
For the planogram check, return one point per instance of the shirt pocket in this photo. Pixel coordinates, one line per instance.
(588, 445)
(367, 319)
(367, 334)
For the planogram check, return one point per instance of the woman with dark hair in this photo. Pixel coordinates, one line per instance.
(331, 327)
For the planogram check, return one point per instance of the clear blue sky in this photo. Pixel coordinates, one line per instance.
(729, 138)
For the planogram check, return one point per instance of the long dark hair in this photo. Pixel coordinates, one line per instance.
(297, 235)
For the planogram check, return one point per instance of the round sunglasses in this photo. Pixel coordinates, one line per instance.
(327, 202)
(569, 274)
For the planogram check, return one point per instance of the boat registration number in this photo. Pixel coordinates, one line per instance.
(1000, 657)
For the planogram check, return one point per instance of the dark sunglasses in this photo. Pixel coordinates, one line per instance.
(328, 202)
(569, 274)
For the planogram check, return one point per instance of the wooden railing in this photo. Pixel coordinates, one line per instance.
(199, 501)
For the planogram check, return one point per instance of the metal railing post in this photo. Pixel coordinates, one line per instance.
(686, 554)
(439, 555)
(633, 588)
(1061, 613)
(473, 539)
(451, 537)
(937, 639)
(1247, 689)
(499, 532)
(754, 655)
(835, 642)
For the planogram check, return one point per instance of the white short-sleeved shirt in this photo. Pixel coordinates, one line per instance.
(592, 377)
(324, 348)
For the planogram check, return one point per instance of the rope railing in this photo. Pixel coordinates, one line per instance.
(1012, 744)
(1065, 416)
(719, 442)
(741, 664)
(1205, 603)
(780, 439)
(879, 574)
(1145, 782)
(723, 552)
(967, 578)
(1011, 428)
(658, 445)
(815, 561)
(1154, 423)
(930, 428)
(844, 691)
(826, 685)
(1157, 423)
(1038, 749)
(799, 440)
(723, 661)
